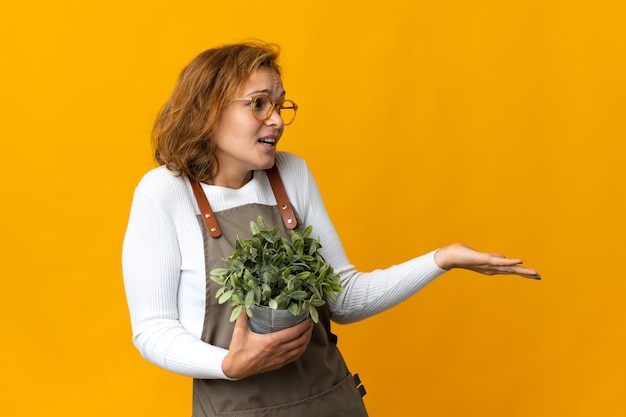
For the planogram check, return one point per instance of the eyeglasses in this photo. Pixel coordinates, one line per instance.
(263, 106)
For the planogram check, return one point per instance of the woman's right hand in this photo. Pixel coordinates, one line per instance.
(462, 256)
(250, 353)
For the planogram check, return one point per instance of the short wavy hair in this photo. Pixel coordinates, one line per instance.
(183, 133)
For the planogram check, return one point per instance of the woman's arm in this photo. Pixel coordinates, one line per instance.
(152, 267)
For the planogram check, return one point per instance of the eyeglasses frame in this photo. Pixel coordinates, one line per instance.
(281, 105)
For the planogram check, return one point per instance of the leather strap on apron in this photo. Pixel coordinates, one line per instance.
(208, 217)
(286, 211)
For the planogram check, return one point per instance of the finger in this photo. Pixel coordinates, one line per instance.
(239, 331)
(515, 270)
(300, 339)
(242, 321)
(528, 273)
(294, 332)
(296, 348)
(534, 276)
(503, 261)
(293, 354)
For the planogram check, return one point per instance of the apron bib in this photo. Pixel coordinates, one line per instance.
(317, 384)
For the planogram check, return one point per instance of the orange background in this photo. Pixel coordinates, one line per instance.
(498, 124)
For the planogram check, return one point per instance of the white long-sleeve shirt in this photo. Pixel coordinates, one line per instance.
(164, 267)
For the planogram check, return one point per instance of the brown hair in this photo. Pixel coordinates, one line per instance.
(183, 133)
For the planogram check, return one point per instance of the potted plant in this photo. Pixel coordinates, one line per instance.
(271, 276)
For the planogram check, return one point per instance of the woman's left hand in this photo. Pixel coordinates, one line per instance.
(461, 256)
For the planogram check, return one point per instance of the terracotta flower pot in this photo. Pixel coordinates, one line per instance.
(267, 320)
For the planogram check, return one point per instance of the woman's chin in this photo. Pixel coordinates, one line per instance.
(267, 163)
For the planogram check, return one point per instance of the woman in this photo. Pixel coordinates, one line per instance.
(221, 128)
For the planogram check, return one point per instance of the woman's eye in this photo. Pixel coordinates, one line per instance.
(257, 103)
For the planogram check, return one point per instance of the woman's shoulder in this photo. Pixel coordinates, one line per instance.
(160, 183)
(290, 163)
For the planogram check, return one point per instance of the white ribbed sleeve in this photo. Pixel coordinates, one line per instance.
(164, 273)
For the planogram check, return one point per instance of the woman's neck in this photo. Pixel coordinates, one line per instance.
(231, 181)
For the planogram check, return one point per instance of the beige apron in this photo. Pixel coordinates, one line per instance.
(318, 384)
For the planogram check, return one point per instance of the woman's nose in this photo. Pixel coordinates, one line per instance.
(275, 119)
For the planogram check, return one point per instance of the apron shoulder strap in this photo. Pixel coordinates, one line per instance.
(205, 209)
(284, 206)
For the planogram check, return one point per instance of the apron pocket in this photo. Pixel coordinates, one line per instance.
(341, 400)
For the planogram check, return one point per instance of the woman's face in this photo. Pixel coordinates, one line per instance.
(243, 142)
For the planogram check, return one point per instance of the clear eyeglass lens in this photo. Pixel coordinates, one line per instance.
(287, 111)
(261, 106)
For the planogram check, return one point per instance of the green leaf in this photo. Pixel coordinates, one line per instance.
(218, 280)
(303, 276)
(317, 302)
(220, 272)
(330, 294)
(236, 312)
(267, 291)
(226, 296)
(294, 308)
(299, 295)
(267, 258)
(273, 304)
(314, 314)
(278, 259)
(254, 228)
(287, 272)
(249, 299)
(268, 236)
(282, 301)
(238, 298)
